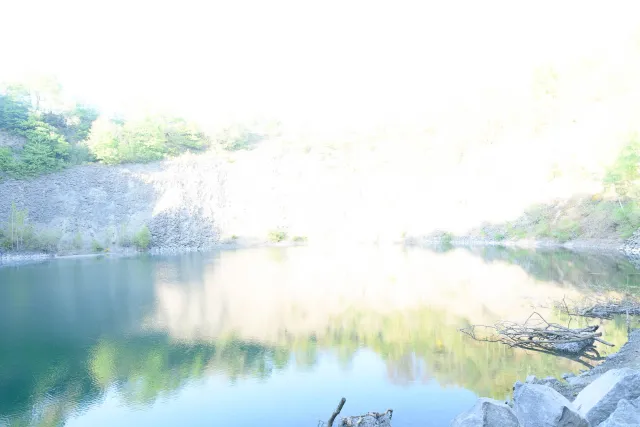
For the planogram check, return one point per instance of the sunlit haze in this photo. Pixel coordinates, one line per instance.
(323, 63)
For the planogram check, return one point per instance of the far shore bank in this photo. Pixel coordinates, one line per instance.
(610, 247)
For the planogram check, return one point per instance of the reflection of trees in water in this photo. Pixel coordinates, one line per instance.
(582, 270)
(87, 339)
(416, 346)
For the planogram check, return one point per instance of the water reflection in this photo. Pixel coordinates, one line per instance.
(74, 332)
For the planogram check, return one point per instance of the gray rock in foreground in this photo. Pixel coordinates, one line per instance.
(487, 413)
(541, 406)
(600, 399)
(562, 388)
(627, 414)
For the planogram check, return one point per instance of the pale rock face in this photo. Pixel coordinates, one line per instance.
(487, 413)
(627, 414)
(541, 406)
(600, 398)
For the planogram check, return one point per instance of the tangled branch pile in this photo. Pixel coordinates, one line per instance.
(603, 307)
(371, 419)
(537, 333)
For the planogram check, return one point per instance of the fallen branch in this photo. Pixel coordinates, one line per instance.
(603, 306)
(336, 412)
(537, 332)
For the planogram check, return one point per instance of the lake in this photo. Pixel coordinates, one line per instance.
(276, 336)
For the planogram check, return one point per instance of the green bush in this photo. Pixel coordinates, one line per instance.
(124, 238)
(142, 239)
(148, 140)
(45, 241)
(565, 230)
(78, 243)
(97, 246)
(277, 236)
(446, 238)
(627, 219)
(624, 174)
(299, 239)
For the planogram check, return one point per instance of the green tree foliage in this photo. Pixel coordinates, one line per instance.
(60, 133)
(13, 113)
(624, 174)
(142, 239)
(142, 141)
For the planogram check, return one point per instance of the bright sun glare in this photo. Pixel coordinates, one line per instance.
(310, 62)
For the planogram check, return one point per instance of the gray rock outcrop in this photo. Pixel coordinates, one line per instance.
(537, 405)
(627, 414)
(562, 388)
(487, 413)
(600, 398)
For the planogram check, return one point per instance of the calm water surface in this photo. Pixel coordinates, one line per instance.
(276, 336)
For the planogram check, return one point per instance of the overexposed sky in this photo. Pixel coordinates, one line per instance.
(299, 60)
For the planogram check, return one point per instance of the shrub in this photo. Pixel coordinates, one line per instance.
(97, 246)
(45, 241)
(627, 219)
(142, 239)
(277, 236)
(299, 239)
(566, 230)
(78, 243)
(624, 174)
(143, 141)
(446, 239)
(124, 239)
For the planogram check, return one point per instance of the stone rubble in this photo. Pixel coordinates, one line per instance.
(537, 405)
(487, 413)
(599, 399)
(611, 400)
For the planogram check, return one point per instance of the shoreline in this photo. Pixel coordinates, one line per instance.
(595, 246)
(9, 259)
(605, 395)
(604, 246)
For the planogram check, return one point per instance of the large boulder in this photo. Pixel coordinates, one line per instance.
(627, 414)
(562, 388)
(599, 399)
(537, 405)
(487, 413)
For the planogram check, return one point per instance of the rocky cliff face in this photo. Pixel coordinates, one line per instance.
(110, 204)
(8, 140)
(361, 193)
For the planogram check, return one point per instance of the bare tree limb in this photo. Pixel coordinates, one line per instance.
(336, 412)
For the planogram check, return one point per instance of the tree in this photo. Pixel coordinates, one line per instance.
(13, 113)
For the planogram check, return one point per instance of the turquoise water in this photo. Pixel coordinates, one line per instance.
(275, 336)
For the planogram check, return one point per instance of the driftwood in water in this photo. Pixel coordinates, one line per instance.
(603, 307)
(336, 412)
(536, 332)
(372, 419)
